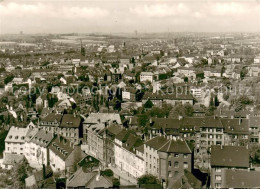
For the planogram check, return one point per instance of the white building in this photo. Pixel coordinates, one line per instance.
(257, 60)
(129, 161)
(64, 155)
(14, 141)
(36, 147)
(146, 76)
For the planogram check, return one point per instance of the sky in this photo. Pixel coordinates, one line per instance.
(126, 16)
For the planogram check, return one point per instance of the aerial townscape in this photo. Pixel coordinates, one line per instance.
(156, 110)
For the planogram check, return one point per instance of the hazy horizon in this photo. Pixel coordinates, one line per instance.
(125, 16)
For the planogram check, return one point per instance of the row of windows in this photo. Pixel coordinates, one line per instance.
(176, 164)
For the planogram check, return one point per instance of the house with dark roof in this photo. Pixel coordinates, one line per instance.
(64, 155)
(100, 142)
(10, 159)
(71, 127)
(36, 149)
(170, 98)
(127, 157)
(83, 179)
(236, 131)
(51, 122)
(241, 179)
(129, 94)
(254, 129)
(167, 158)
(225, 158)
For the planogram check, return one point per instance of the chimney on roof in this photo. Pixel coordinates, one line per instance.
(180, 117)
(221, 146)
(232, 116)
(240, 121)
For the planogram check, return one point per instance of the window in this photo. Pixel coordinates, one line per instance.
(176, 164)
(176, 173)
(210, 136)
(218, 170)
(169, 163)
(185, 155)
(185, 165)
(169, 174)
(218, 130)
(218, 177)
(218, 185)
(176, 155)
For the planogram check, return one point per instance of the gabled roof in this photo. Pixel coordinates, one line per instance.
(129, 139)
(16, 134)
(236, 126)
(154, 96)
(229, 156)
(242, 179)
(11, 159)
(254, 121)
(163, 144)
(177, 146)
(70, 121)
(52, 117)
(61, 147)
(88, 180)
(42, 138)
(94, 118)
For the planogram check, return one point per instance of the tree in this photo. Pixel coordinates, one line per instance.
(244, 100)
(184, 110)
(216, 101)
(148, 104)
(243, 73)
(107, 172)
(117, 105)
(222, 70)
(142, 120)
(139, 95)
(83, 51)
(51, 100)
(161, 112)
(8, 79)
(60, 76)
(148, 179)
(116, 183)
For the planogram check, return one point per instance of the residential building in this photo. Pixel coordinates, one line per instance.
(64, 155)
(167, 158)
(71, 128)
(225, 158)
(127, 158)
(36, 147)
(15, 140)
(91, 180)
(146, 76)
